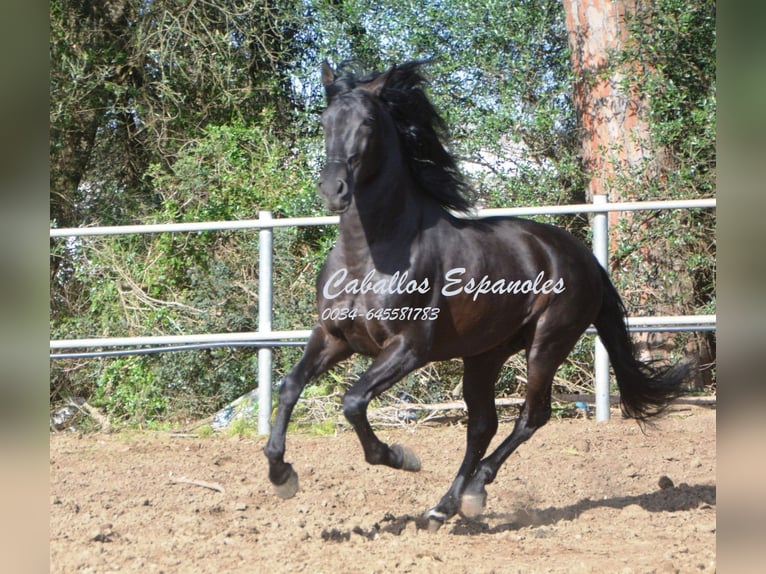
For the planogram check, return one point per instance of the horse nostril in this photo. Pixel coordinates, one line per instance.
(342, 187)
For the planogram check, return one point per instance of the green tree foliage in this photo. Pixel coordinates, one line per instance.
(133, 81)
(172, 111)
(500, 75)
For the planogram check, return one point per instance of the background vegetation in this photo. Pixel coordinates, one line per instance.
(172, 111)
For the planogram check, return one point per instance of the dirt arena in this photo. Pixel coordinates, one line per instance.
(578, 497)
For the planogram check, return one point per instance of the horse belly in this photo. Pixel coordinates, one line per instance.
(466, 328)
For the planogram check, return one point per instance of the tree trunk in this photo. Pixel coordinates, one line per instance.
(614, 131)
(618, 154)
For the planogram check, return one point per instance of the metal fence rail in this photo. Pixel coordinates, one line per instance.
(266, 339)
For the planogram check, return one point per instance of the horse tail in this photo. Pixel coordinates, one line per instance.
(645, 390)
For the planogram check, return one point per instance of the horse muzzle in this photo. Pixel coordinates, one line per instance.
(336, 191)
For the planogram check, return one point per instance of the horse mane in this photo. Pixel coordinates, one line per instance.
(422, 131)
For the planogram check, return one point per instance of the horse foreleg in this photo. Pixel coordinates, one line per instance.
(395, 361)
(322, 352)
(479, 376)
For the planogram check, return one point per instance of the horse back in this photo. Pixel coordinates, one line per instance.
(460, 287)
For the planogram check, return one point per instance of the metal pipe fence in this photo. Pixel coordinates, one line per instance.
(266, 339)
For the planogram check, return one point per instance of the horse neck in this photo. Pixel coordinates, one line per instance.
(383, 219)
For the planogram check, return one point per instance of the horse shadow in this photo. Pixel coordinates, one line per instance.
(679, 498)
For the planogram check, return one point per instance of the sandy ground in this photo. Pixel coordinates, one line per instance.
(579, 496)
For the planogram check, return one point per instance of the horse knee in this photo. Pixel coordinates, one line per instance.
(289, 391)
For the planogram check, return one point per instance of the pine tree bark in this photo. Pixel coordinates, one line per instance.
(614, 131)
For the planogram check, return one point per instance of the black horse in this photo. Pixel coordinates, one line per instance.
(409, 282)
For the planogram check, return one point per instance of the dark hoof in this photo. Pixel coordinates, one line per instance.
(410, 460)
(472, 504)
(288, 488)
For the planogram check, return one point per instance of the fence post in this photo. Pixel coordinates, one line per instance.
(264, 323)
(601, 359)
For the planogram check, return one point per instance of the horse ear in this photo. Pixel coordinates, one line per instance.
(328, 76)
(376, 85)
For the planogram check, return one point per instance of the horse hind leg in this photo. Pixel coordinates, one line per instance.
(479, 376)
(543, 359)
(474, 496)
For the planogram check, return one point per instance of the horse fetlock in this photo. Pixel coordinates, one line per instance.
(275, 456)
(484, 475)
(439, 514)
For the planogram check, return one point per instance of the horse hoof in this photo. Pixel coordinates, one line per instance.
(288, 488)
(436, 520)
(410, 460)
(472, 505)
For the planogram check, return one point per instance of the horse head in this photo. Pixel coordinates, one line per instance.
(358, 141)
(354, 136)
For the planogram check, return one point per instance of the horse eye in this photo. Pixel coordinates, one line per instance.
(368, 121)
